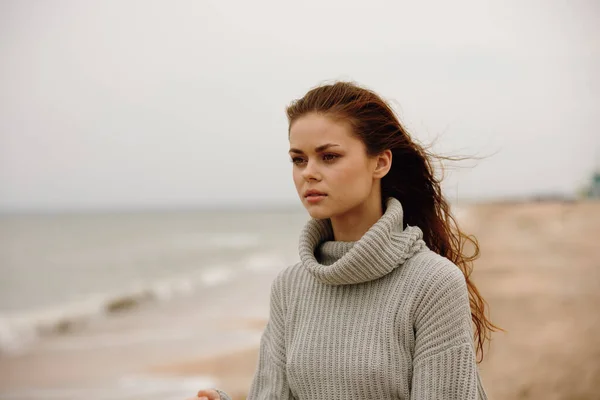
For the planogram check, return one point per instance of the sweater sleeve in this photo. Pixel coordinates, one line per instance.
(444, 365)
(270, 380)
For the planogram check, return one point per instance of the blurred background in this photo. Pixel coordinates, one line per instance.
(146, 199)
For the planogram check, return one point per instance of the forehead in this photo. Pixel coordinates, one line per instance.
(315, 129)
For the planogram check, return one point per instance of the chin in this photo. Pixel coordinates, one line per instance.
(318, 212)
(322, 211)
(332, 209)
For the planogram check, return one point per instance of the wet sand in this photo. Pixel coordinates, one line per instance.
(120, 357)
(539, 270)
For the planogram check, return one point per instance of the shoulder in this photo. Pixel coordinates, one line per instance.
(289, 275)
(428, 269)
(441, 299)
(434, 279)
(287, 279)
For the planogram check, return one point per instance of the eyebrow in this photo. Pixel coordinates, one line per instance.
(317, 149)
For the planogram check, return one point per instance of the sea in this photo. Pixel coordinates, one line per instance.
(62, 273)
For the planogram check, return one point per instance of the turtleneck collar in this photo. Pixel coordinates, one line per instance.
(384, 247)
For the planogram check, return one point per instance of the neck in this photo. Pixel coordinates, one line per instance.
(353, 224)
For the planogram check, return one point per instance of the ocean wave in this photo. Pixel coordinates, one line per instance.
(20, 329)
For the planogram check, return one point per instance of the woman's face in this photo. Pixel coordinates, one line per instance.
(329, 160)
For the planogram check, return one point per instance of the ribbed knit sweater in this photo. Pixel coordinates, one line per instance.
(380, 318)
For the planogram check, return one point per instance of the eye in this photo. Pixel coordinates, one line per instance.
(297, 160)
(330, 157)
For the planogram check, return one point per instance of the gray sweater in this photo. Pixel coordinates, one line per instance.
(381, 318)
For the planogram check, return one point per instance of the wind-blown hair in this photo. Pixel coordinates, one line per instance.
(411, 179)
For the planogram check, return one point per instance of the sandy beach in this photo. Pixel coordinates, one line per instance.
(539, 270)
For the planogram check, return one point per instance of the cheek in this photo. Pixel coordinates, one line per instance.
(297, 178)
(353, 176)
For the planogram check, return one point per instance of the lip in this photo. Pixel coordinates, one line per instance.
(314, 196)
(315, 199)
(312, 192)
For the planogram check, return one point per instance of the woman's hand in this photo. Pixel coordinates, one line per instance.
(208, 394)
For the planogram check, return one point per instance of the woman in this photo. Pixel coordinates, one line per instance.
(381, 305)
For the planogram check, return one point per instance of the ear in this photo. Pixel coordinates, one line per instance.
(384, 163)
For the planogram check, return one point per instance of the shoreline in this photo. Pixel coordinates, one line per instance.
(152, 346)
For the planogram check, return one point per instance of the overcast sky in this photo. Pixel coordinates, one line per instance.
(126, 104)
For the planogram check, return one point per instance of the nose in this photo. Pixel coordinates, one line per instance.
(310, 172)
